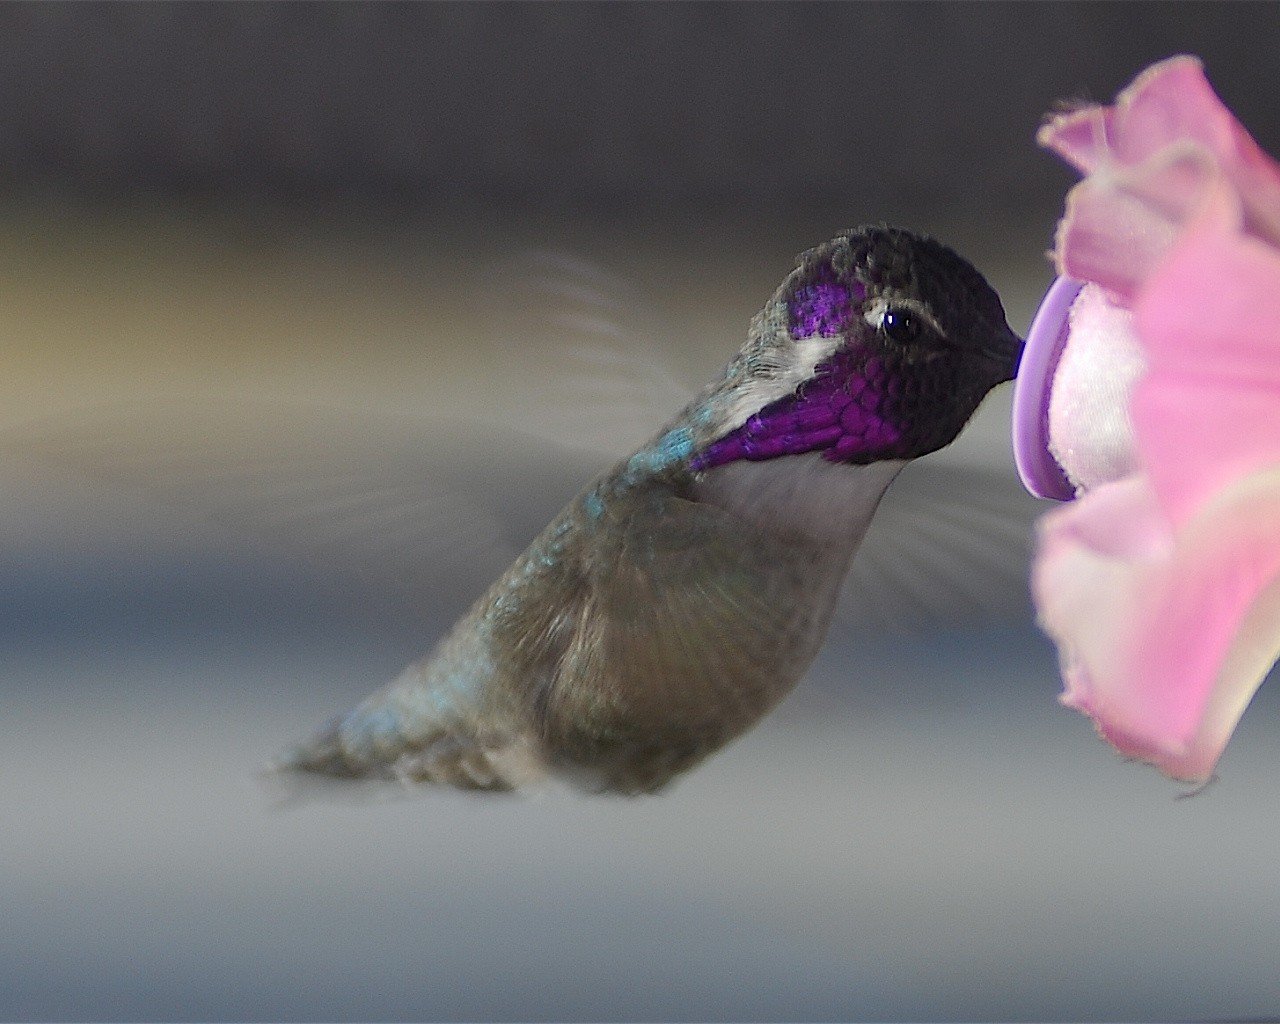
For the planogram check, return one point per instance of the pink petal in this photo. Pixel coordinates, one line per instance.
(1080, 136)
(1111, 238)
(1179, 103)
(1171, 103)
(1120, 224)
(1164, 639)
(1162, 590)
(1208, 411)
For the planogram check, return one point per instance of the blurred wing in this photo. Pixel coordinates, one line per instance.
(414, 505)
(949, 545)
(577, 354)
(422, 507)
(562, 351)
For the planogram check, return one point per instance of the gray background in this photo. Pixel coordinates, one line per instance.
(269, 206)
(582, 106)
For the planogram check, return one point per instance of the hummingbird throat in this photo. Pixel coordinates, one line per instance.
(851, 410)
(846, 412)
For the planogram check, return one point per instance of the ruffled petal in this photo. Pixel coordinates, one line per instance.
(1208, 411)
(1162, 588)
(1081, 136)
(1170, 104)
(1167, 103)
(1110, 237)
(1174, 101)
(1119, 225)
(1164, 637)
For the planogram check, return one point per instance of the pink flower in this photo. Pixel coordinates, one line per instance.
(1160, 583)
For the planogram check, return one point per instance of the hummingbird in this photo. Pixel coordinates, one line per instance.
(685, 591)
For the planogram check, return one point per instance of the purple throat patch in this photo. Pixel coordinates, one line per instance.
(841, 412)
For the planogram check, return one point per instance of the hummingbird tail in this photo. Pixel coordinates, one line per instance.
(445, 759)
(324, 754)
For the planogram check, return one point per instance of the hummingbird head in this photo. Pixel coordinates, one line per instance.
(879, 346)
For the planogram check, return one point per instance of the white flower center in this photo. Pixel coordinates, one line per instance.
(1090, 431)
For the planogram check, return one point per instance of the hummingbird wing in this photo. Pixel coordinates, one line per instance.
(563, 380)
(578, 353)
(426, 510)
(949, 545)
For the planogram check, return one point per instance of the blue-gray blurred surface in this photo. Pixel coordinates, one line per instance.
(919, 833)
(291, 207)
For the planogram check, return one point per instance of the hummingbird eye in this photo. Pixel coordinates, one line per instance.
(901, 326)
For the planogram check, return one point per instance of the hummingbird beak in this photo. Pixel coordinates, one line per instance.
(1006, 354)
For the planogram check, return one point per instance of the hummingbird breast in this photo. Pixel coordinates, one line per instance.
(684, 611)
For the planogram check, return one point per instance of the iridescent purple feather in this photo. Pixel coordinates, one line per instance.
(842, 412)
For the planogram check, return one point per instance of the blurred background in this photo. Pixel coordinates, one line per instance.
(260, 260)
